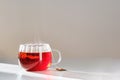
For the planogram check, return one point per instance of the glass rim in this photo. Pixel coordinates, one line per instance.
(34, 44)
(34, 47)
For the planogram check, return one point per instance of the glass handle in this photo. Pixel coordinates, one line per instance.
(59, 54)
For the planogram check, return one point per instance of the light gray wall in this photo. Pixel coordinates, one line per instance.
(79, 28)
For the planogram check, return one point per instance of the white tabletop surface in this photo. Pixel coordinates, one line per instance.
(14, 72)
(94, 70)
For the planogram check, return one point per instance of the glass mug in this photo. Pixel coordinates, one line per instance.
(36, 57)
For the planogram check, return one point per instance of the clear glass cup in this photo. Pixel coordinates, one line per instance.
(36, 57)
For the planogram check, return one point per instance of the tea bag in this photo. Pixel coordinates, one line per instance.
(61, 69)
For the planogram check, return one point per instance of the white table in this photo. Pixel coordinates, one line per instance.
(104, 70)
(13, 72)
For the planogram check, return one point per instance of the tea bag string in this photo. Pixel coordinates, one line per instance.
(40, 52)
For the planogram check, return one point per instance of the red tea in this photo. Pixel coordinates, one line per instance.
(34, 62)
